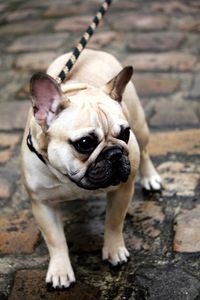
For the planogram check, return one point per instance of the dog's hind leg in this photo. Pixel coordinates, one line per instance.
(150, 179)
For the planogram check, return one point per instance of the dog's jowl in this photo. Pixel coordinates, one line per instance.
(87, 134)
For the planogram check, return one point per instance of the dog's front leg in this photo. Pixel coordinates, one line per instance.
(60, 273)
(114, 249)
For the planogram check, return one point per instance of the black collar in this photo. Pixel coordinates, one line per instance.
(32, 148)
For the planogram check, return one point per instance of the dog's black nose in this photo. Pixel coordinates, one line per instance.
(113, 153)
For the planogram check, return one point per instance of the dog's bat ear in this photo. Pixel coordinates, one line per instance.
(46, 98)
(116, 86)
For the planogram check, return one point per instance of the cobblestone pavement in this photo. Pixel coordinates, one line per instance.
(161, 40)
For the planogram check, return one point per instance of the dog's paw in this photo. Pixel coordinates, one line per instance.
(152, 183)
(60, 274)
(116, 256)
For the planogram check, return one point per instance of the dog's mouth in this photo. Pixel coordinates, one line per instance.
(111, 168)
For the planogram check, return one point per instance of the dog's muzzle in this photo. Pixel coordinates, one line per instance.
(111, 167)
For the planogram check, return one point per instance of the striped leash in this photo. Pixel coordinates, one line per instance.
(83, 41)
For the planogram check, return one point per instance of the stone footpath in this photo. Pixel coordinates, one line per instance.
(161, 40)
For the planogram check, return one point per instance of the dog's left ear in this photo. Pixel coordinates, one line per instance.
(116, 86)
(46, 98)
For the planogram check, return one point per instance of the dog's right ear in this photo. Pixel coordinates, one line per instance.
(46, 98)
(116, 86)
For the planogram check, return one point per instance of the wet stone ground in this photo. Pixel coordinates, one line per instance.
(161, 41)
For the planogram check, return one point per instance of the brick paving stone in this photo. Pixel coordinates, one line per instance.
(45, 3)
(187, 227)
(174, 6)
(30, 284)
(6, 63)
(24, 91)
(170, 61)
(18, 233)
(155, 86)
(174, 113)
(5, 188)
(139, 22)
(125, 6)
(189, 24)
(139, 244)
(194, 92)
(5, 78)
(20, 15)
(64, 10)
(147, 214)
(165, 283)
(155, 41)
(73, 24)
(179, 178)
(13, 114)
(38, 42)
(7, 144)
(136, 243)
(61, 11)
(32, 26)
(103, 39)
(35, 61)
(11, 88)
(9, 140)
(186, 141)
(2, 7)
(5, 156)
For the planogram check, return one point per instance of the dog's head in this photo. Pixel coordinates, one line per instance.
(87, 134)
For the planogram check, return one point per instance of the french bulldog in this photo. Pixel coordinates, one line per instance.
(85, 136)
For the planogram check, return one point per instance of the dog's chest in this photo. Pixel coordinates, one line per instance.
(60, 192)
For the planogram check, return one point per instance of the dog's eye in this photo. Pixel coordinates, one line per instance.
(86, 145)
(124, 134)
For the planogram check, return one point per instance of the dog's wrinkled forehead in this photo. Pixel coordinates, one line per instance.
(89, 111)
(96, 111)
